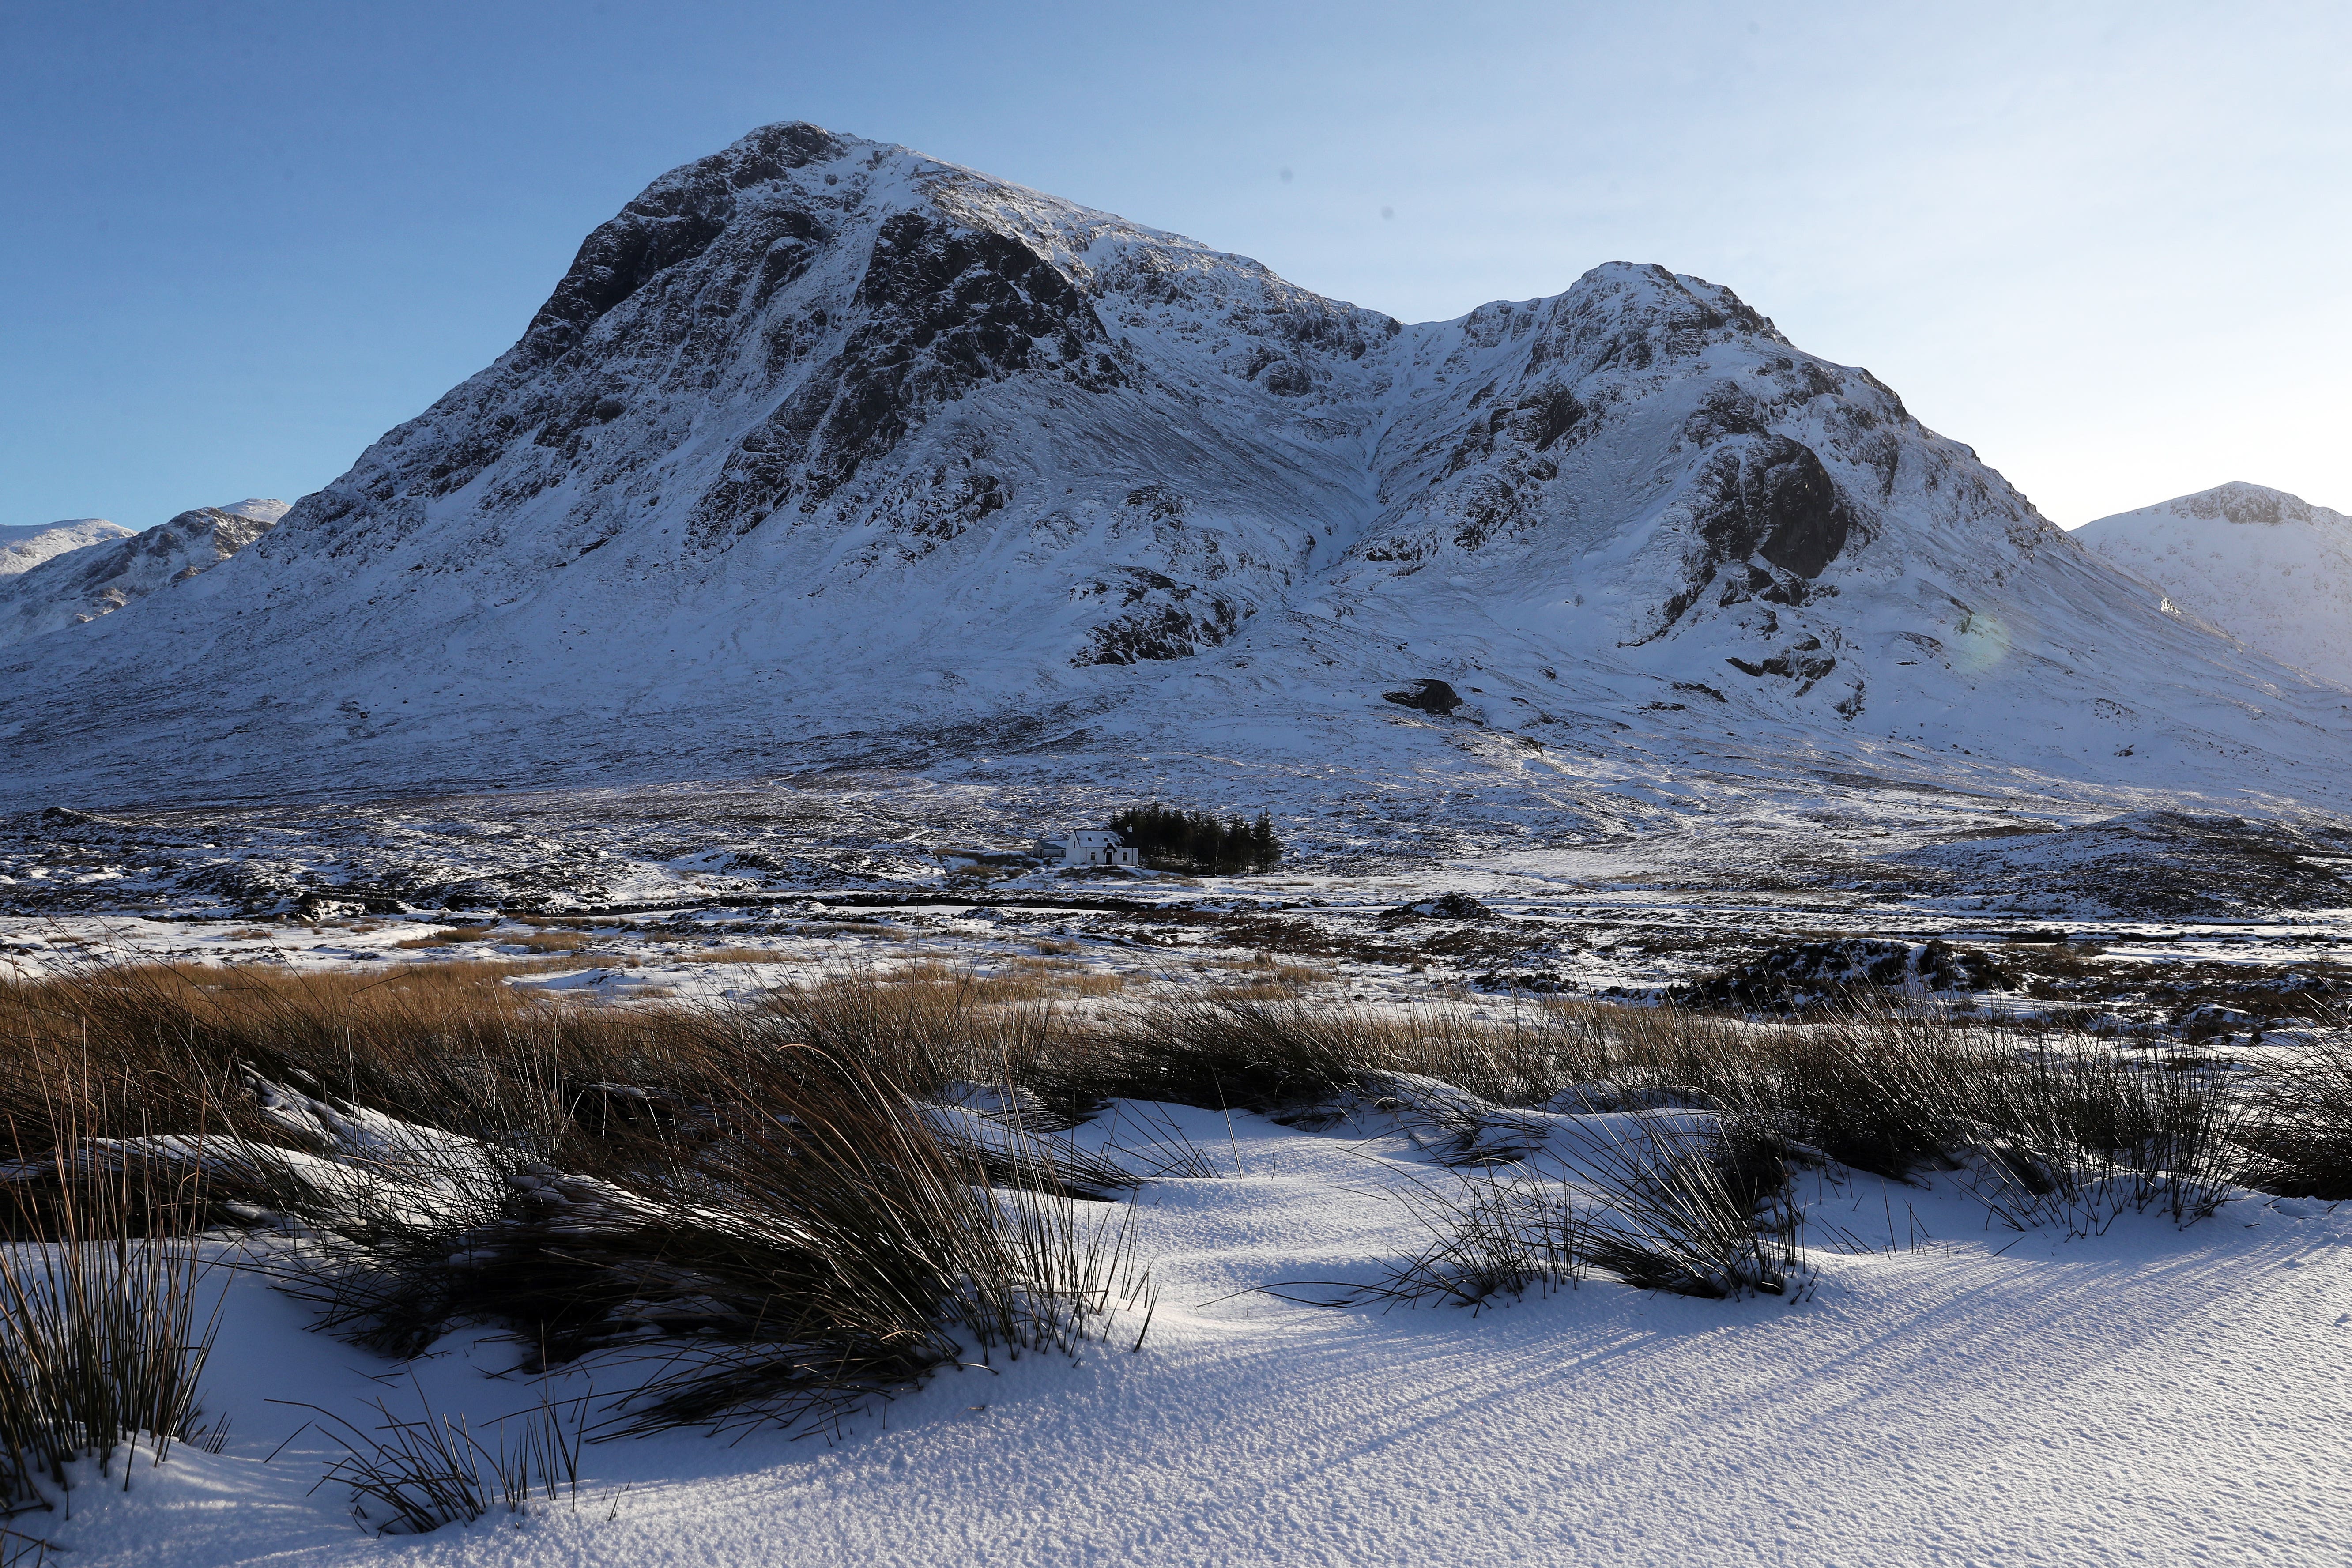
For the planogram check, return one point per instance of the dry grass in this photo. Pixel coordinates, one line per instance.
(803, 1199)
(797, 1229)
(1263, 978)
(411, 1475)
(2301, 1131)
(740, 955)
(443, 939)
(545, 941)
(1041, 979)
(165, 1039)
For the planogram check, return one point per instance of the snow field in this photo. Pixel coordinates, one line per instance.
(1944, 1393)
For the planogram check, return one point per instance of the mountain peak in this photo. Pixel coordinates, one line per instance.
(2238, 502)
(818, 435)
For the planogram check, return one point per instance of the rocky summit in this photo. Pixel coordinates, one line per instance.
(826, 451)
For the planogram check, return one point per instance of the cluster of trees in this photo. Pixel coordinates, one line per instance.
(1173, 840)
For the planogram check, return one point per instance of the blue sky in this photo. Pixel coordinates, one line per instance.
(2110, 246)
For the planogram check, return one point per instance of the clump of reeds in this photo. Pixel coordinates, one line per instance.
(1696, 1208)
(796, 1236)
(1286, 1057)
(1661, 1201)
(2299, 1129)
(926, 1026)
(411, 1475)
(104, 1328)
(812, 1228)
(1492, 1233)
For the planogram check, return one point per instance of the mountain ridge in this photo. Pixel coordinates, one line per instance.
(824, 446)
(22, 548)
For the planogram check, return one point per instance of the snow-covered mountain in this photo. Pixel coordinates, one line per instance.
(74, 586)
(2268, 568)
(826, 449)
(25, 546)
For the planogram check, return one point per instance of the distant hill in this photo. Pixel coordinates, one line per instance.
(25, 547)
(73, 587)
(2267, 567)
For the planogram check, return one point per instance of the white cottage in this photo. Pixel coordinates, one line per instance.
(1090, 846)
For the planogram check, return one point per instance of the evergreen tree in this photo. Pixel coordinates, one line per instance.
(1172, 838)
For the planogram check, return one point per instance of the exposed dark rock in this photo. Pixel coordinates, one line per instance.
(944, 307)
(1429, 695)
(1534, 982)
(1802, 661)
(1164, 620)
(1550, 412)
(1803, 975)
(1444, 906)
(674, 221)
(1769, 496)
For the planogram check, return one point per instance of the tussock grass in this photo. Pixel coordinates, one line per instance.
(927, 1025)
(103, 1332)
(411, 1475)
(2300, 1130)
(797, 1204)
(742, 955)
(765, 1186)
(1281, 1056)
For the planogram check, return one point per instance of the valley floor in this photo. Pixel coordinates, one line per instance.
(1614, 888)
(1937, 1389)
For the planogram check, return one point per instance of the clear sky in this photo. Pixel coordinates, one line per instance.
(2108, 244)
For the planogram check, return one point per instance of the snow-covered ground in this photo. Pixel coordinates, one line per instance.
(1943, 1390)
(1596, 876)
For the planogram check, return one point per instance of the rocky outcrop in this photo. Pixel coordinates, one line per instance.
(1429, 695)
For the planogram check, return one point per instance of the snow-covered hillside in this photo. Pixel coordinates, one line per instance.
(74, 586)
(2267, 567)
(24, 548)
(826, 451)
